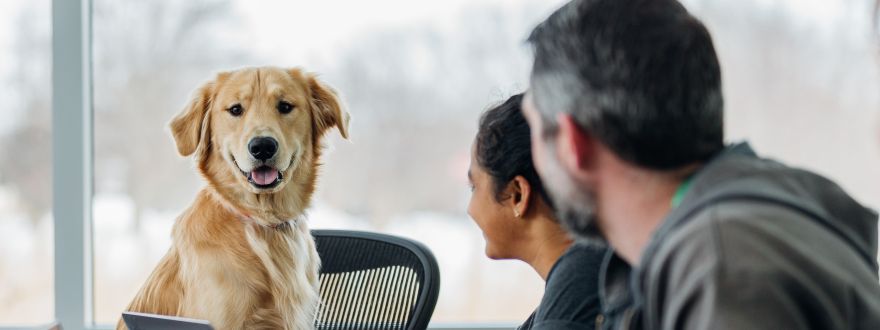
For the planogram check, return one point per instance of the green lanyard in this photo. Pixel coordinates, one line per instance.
(681, 191)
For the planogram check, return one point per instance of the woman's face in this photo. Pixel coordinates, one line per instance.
(500, 228)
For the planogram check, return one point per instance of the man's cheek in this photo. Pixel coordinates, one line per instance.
(538, 156)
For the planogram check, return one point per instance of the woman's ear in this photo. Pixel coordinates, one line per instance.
(328, 107)
(190, 127)
(521, 192)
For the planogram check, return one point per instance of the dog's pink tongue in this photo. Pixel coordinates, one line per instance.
(264, 175)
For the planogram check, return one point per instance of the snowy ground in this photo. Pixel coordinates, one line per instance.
(474, 289)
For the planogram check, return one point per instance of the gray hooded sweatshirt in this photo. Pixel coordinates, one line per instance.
(753, 244)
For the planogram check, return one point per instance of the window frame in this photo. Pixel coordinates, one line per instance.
(72, 162)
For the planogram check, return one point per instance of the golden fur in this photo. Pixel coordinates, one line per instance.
(242, 257)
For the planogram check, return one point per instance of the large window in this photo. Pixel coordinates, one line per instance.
(26, 275)
(800, 81)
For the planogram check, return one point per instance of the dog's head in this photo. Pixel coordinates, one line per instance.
(253, 130)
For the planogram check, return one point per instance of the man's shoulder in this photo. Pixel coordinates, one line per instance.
(757, 259)
(717, 232)
(741, 237)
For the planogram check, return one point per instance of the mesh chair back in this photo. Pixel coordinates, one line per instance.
(375, 281)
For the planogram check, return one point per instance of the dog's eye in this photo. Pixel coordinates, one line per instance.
(236, 110)
(285, 107)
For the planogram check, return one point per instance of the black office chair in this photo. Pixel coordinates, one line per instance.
(375, 281)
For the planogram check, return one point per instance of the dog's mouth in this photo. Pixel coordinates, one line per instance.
(264, 177)
(261, 177)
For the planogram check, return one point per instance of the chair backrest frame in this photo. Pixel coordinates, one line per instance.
(426, 301)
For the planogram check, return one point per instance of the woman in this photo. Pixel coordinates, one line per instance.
(516, 217)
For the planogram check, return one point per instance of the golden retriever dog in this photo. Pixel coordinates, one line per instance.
(242, 256)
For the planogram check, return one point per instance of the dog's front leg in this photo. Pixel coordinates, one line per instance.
(220, 287)
(265, 318)
(162, 292)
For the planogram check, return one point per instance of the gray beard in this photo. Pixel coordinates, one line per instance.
(579, 220)
(575, 206)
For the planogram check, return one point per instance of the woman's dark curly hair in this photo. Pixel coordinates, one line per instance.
(503, 147)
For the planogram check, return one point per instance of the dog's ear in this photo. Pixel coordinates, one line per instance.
(328, 107)
(190, 126)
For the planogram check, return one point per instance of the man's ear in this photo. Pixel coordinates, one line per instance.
(328, 107)
(575, 146)
(190, 127)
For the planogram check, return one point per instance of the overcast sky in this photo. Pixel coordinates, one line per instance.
(331, 23)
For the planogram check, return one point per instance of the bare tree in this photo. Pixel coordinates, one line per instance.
(416, 95)
(25, 153)
(149, 55)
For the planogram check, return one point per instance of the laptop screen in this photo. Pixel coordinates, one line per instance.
(144, 321)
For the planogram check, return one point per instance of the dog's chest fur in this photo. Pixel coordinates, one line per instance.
(244, 275)
(291, 266)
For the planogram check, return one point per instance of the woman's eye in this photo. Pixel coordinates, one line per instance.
(285, 107)
(236, 110)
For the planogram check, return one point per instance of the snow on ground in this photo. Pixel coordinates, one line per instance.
(473, 289)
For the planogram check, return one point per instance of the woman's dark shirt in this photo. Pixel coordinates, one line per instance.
(571, 294)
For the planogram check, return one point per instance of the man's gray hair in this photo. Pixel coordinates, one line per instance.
(639, 75)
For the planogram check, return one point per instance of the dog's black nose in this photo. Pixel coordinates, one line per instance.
(263, 148)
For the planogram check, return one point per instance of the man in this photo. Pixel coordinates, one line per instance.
(625, 108)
